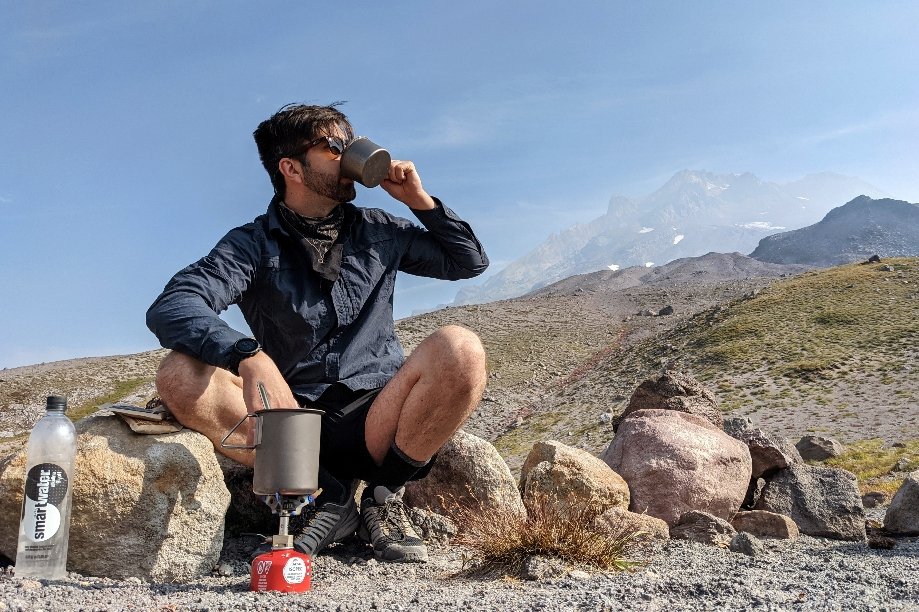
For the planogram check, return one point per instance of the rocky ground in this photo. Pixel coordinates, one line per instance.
(809, 574)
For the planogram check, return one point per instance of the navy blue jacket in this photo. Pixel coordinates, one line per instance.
(316, 337)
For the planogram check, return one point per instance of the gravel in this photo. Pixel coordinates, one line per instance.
(809, 574)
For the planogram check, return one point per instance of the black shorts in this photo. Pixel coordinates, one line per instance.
(342, 447)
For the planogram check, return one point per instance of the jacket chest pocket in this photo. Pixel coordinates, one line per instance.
(366, 275)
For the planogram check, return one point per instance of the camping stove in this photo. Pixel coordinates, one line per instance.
(283, 568)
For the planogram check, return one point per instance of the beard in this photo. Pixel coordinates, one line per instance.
(328, 185)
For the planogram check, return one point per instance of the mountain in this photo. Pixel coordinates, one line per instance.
(693, 213)
(852, 232)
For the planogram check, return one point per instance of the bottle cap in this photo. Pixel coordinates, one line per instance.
(56, 403)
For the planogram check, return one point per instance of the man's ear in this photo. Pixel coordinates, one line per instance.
(291, 170)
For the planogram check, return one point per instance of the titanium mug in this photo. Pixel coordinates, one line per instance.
(365, 162)
(287, 450)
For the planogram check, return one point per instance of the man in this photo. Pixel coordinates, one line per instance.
(314, 279)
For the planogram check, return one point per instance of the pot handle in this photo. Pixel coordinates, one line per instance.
(258, 431)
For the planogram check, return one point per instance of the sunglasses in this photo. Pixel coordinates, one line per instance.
(336, 145)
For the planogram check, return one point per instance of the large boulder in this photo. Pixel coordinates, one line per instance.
(902, 515)
(675, 462)
(469, 473)
(818, 448)
(769, 454)
(674, 391)
(150, 507)
(570, 478)
(821, 501)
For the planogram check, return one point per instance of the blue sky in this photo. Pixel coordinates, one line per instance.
(125, 128)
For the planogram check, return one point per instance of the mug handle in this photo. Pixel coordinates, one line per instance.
(258, 434)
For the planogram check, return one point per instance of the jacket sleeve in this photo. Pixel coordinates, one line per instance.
(185, 317)
(446, 249)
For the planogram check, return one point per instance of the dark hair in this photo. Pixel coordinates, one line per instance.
(282, 134)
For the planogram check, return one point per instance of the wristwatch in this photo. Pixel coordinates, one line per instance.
(243, 348)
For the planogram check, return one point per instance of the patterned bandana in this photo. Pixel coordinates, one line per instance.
(318, 237)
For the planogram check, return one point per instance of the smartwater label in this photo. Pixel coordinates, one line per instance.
(46, 487)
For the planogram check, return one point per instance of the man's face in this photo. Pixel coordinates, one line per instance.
(322, 171)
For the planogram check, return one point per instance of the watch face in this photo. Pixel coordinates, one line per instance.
(246, 346)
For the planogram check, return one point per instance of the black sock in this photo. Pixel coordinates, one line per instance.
(397, 469)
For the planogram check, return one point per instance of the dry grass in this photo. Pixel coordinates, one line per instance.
(871, 462)
(501, 541)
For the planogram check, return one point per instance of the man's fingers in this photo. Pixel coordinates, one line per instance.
(399, 170)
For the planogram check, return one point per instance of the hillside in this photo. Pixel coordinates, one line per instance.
(851, 232)
(831, 351)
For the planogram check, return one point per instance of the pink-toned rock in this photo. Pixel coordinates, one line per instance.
(675, 462)
(570, 478)
(618, 522)
(766, 524)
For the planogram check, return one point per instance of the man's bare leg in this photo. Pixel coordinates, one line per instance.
(206, 399)
(430, 397)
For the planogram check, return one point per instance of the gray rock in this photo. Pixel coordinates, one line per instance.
(735, 425)
(818, 448)
(821, 501)
(746, 544)
(703, 528)
(666, 310)
(901, 465)
(902, 515)
(769, 454)
(432, 527)
(247, 512)
(674, 391)
(147, 506)
(873, 499)
(536, 567)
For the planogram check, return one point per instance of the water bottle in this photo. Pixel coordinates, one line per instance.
(45, 523)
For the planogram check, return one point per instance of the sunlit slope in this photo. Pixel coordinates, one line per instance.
(818, 325)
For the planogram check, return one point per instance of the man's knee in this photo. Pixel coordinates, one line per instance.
(462, 353)
(180, 377)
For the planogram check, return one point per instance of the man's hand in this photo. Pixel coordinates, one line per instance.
(404, 184)
(260, 368)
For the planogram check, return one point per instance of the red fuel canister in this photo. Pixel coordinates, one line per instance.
(285, 570)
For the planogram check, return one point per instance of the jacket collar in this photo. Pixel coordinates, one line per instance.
(276, 225)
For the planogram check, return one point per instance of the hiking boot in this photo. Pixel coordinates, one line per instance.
(317, 527)
(385, 525)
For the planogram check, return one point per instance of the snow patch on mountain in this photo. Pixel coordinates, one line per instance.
(760, 225)
(677, 238)
(645, 230)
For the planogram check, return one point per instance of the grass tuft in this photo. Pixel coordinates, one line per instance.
(871, 462)
(500, 541)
